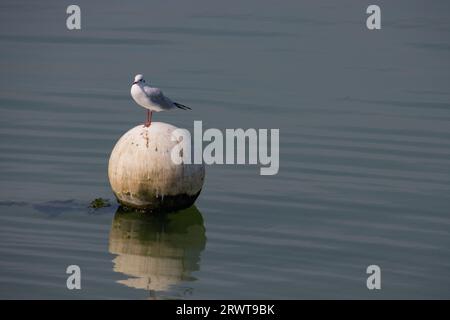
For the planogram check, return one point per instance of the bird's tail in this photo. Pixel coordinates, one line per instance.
(181, 106)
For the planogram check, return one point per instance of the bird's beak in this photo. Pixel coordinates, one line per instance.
(134, 82)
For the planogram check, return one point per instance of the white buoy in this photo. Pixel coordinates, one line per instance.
(143, 176)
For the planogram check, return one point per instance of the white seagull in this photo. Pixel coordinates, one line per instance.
(152, 99)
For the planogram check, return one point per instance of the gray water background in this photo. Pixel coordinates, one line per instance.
(364, 147)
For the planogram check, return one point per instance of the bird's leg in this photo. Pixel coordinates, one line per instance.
(147, 123)
(150, 121)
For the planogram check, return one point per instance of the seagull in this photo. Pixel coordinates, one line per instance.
(152, 99)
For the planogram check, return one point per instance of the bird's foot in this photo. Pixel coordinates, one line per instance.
(147, 124)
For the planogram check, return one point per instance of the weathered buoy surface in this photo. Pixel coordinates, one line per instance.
(143, 176)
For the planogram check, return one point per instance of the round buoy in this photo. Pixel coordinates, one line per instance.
(143, 176)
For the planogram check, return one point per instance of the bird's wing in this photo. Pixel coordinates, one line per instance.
(157, 97)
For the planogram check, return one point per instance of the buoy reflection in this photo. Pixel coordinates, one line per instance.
(157, 251)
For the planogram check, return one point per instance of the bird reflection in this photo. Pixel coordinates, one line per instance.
(157, 251)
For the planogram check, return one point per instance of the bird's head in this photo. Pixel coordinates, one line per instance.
(139, 79)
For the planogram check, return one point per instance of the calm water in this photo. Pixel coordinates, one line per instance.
(364, 156)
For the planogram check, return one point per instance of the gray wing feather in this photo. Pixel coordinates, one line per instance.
(157, 97)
